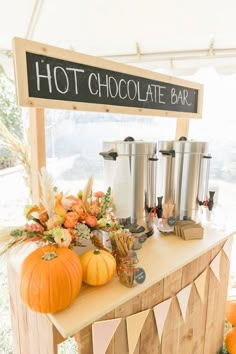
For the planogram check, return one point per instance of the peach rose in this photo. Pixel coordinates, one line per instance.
(91, 221)
(94, 209)
(71, 219)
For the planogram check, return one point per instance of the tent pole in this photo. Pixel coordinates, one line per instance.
(38, 156)
(182, 127)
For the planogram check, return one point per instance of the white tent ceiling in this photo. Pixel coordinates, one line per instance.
(156, 34)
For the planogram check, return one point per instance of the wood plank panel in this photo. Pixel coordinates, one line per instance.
(149, 341)
(172, 285)
(120, 338)
(217, 294)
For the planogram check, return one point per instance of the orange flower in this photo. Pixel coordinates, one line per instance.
(82, 216)
(77, 209)
(98, 194)
(74, 200)
(59, 208)
(71, 219)
(94, 209)
(91, 220)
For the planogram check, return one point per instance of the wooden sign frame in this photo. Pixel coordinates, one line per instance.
(154, 94)
(21, 48)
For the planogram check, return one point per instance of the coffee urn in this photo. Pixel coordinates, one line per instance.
(130, 169)
(183, 176)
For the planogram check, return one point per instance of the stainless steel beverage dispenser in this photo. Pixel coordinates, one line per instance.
(130, 169)
(183, 176)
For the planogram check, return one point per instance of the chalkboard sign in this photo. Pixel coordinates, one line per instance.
(88, 82)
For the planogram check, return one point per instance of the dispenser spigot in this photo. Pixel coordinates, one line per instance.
(211, 200)
(159, 207)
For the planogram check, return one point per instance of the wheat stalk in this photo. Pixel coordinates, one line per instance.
(21, 149)
(87, 191)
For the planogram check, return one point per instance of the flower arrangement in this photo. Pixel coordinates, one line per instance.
(65, 220)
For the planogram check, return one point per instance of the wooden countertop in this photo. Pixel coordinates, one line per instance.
(160, 256)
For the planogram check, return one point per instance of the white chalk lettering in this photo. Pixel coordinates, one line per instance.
(130, 89)
(92, 76)
(180, 97)
(101, 85)
(185, 98)
(75, 77)
(139, 98)
(149, 93)
(111, 78)
(55, 79)
(40, 76)
(120, 82)
(158, 94)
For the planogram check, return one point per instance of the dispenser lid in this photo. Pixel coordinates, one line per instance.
(130, 147)
(184, 146)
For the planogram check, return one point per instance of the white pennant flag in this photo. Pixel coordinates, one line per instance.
(134, 327)
(161, 312)
(227, 248)
(200, 284)
(102, 333)
(215, 266)
(183, 298)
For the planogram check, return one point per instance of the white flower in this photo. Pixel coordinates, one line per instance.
(62, 237)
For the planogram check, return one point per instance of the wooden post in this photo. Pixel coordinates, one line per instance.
(182, 127)
(37, 142)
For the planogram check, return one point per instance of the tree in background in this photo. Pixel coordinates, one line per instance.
(10, 113)
(14, 144)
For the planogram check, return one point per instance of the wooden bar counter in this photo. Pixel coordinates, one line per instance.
(171, 264)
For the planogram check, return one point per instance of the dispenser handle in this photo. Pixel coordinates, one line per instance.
(168, 152)
(109, 155)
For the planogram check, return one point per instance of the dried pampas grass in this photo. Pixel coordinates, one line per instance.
(48, 191)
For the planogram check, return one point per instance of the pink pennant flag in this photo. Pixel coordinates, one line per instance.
(227, 248)
(102, 333)
(134, 327)
(183, 298)
(161, 312)
(215, 266)
(200, 284)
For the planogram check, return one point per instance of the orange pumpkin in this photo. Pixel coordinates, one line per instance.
(98, 267)
(230, 310)
(230, 341)
(51, 279)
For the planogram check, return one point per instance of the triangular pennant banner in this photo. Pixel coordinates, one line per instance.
(183, 297)
(103, 332)
(134, 326)
(161, 312)
(200, 284)
(228, 247)
(215, 266)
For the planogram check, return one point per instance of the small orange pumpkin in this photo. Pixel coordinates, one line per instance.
(51, 279)
(230, 341)
(98, 267)
(230, 310)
